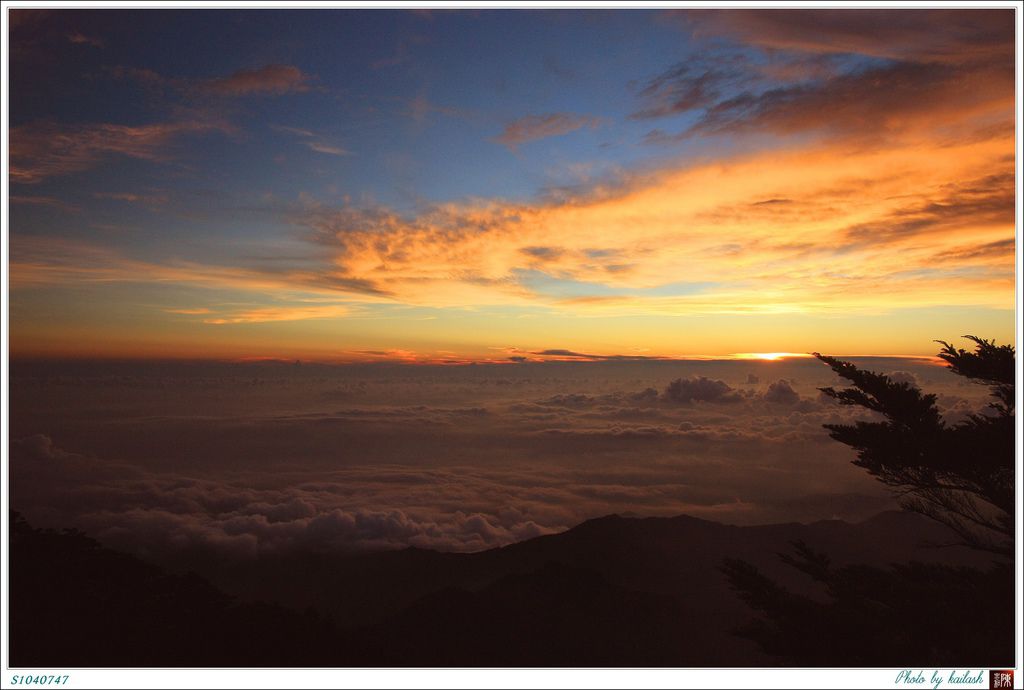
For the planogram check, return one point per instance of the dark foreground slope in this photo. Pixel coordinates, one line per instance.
(610, 592)
(74, 603)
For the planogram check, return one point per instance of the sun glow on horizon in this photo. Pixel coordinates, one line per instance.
(770, 356)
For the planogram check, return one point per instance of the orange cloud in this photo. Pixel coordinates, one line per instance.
(268, 314)
(925, 220)
(945, 67)
(823, 229)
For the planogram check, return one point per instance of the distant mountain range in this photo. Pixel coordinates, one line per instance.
(613, 591)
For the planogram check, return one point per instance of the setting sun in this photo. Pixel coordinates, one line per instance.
(770, 356)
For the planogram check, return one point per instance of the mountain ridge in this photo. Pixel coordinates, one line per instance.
(612, 591)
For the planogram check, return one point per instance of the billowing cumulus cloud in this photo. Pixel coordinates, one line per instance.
(906, 377)
(699, 389)
(781, 392)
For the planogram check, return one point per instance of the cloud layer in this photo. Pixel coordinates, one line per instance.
(248, 459)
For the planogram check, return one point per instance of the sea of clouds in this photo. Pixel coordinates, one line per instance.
(248, 459)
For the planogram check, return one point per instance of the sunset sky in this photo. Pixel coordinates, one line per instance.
(479, 185)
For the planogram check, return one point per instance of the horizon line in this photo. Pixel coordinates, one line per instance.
(763, 357)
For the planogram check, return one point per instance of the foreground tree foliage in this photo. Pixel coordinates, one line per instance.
(961, 475)
(911, 615)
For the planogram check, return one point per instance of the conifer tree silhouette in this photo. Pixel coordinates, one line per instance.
(961, 475)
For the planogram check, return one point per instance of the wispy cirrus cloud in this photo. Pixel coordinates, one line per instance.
(193, 311)
(153, 198)
(1000, 251)
(53, 262)
(329, 149)
(572, 355)
(270, 80)
(402, 52)
(534, 127)
(42, 150)
(874, 73)
(313, 141)
(890, 99)
(692, 84)
(929, 35)
(288, 313)
(79, 38)
(48, 201)
(987, 201)
(421, 107)
(46, 149)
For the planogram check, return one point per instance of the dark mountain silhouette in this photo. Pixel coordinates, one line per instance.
(74, 603)
(676, 556)
(557, 615)
(611, 592)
